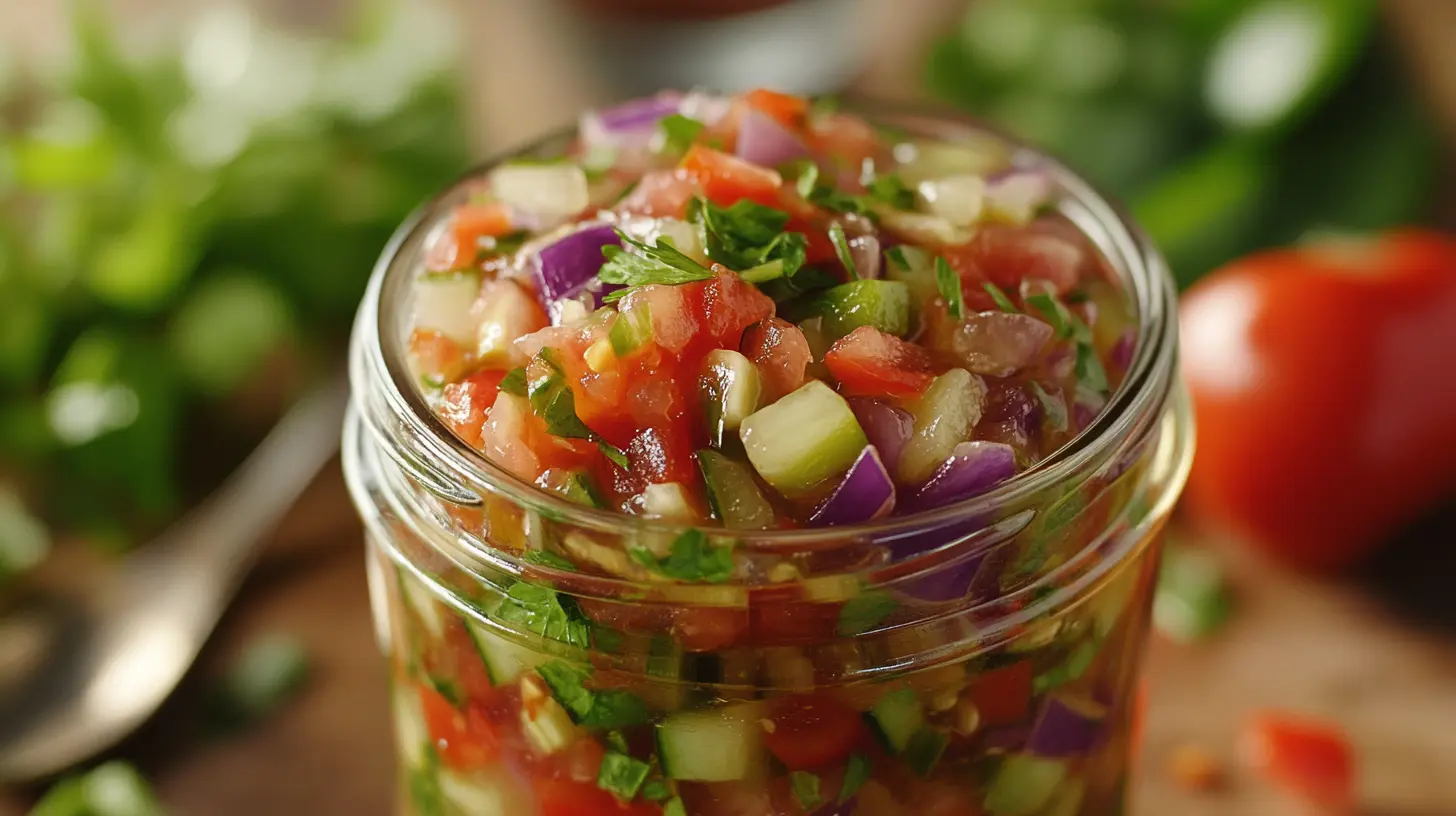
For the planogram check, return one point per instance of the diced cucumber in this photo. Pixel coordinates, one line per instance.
(544, 721)
(915, 268)
(803, 440)
(418, 599)
(735, 496)
(477, 796)
(730, 387)
(574, 485)
(716, 745)
(1024, 784)
(668, 501)
(1068, 801)
(882, 304)
(504, 660)
(944, 417)
(442, 303)
(410, 731)
(631, 330)
(898, 716)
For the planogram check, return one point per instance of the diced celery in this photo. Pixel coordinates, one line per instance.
(882, 304)
(715, 745)
(504, 312)
(957, 198)
(944, 417)
(730, 385)
(410, 732)
(803, 440)
(735, 497)
(544, 721)
(1023, 784)
(481, 794)
(418, 599)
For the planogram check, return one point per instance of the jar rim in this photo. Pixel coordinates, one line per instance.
(442, 461)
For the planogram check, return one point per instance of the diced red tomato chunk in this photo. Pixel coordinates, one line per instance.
(1309, 758)
(870, 363)
(788, 110)
(660, 194)
(458, 745)
(463, 404)
(811, 731)
(663, 455)
(730, 305)
(781, 352)
(1007, 255)
(1003, 695)
(728, 179)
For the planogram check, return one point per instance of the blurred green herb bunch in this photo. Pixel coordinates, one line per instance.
(183, 238)
(1227, 125)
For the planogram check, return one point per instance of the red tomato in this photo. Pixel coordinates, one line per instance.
(663, 455)
(848, 140)
(778, 622)
(728, 179)
(469, 224)
(788, 110)
(672, 312)
(781, 352)
(707, 628)
(436, 355)
(565, 797)
(660, 194)
(1311, 759)
(811, 731)
(870, 363)
(1003, 696)
(463, 404)
(458, 745)
(1006, 255)
(456, 657)
(731, 304)
(1320, 379)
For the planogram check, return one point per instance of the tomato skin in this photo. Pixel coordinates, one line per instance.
(1311, 759)
(708, 628)
(662, 455)
(729, 305)
(464, 404)
(870, 363)
(461, 743)
(1007, 255)
(660, 194)
(727, 179)
(811, 731)
(788, 110)
(780, 351)
(1326, 413)
(1003, 695)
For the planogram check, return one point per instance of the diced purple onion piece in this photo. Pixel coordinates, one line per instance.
(570, 265)
(628, 123)
(1066, 726)
(865, 250)
(999, 343)
(887, 427)
(1086, 408)
(945, 582)
(867, 493)
(972, 469)
(765, 142)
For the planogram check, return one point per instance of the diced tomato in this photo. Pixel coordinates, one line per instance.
(707, 628)
(580, 761)
(510, 437)
(788, 110)
(811, 731)
(463, 404)
(435, 355)
(660, 194)
(469, 224)
(456, 657)
(943, 799)
(457, 744)
(674, 320)
(784, 623)
(1007, 255)
(1003, 695)
(626, 617)
(728, 179)
(1311, 759)
(663, 454)
(729, 305)
(780, 351)
(846, 139)
(870, 363)
(565, 797)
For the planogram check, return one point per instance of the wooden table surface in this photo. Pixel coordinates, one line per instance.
(1375, 652)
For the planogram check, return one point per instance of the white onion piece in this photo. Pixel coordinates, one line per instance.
(958, 199)
(921, 228)
(550, 192)
(1015, 197)
(998, 343)
(442, 303)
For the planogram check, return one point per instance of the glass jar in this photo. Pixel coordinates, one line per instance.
(978, 658)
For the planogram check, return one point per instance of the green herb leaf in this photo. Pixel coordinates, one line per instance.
(1002, 301)
(546, 612)
(823, 106)
(1071, 668)
(679, 132)
(514, 382)
(621, 775)
(112, 789)
(892, 191)
(265, 675)
(1054, 408)
(617, 741)
(806, 789)
(805, 174)
(865, 611)
(662, 264)
(551, 398)
(1063, 322)
(924, 750)
(656, 790)
(613, 453)
(606, 709)
(674, 807)
(692, 558)
(856, 773)
(841, 248)
(747, 235)
(1192, 599)
(546, 558)
(949, 284)
(1090, 373)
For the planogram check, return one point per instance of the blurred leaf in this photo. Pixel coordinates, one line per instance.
(270, 670)
(225, 329)
(144, 265)
(25, 332)
(112, 789)
(23, 540)
(137, 99)
(71, 151)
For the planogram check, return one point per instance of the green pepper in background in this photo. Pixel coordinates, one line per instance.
(176, 231)
(1228, 125)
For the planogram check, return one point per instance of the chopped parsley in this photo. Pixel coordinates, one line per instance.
(547, 558)
(551, 400)
(864, 612)
(856, 773)
(1003, 302)
(806, 789)
(806, 182)
(546, 612)
(613, 453)
(949, 284)
(678, 132)
(841, 248)
(1071, 668)
(605, 709)
(748, 236)
(514, 382)
(1090, 373)
(621, 775)
(656, 790)
(617, 741)
(674, 807)
(892, 191)
(924, 750)
(662, 263)
(691, 558)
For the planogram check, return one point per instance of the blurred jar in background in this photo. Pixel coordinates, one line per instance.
(800, 46)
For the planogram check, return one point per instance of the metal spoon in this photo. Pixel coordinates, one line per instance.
(83, 666)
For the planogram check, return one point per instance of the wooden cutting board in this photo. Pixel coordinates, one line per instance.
(1335, 650)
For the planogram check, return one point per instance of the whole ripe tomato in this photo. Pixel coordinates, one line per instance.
(1322, 386)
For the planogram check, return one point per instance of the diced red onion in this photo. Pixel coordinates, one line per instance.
(865, 250)
(569, 266)
(763, 141)
(972, 469)
(999, 343)
(866, 493)
(630, 123)
(945, 582)
(1017, 195)
(1066, 725)
(887, 427)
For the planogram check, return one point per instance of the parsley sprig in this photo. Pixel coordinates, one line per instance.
(678, 132)
(546, 612)
(865, 611)
(691, 558)
(660, 263)
(605, 709)
(949, 284)
(749, 237)
(842, 249)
